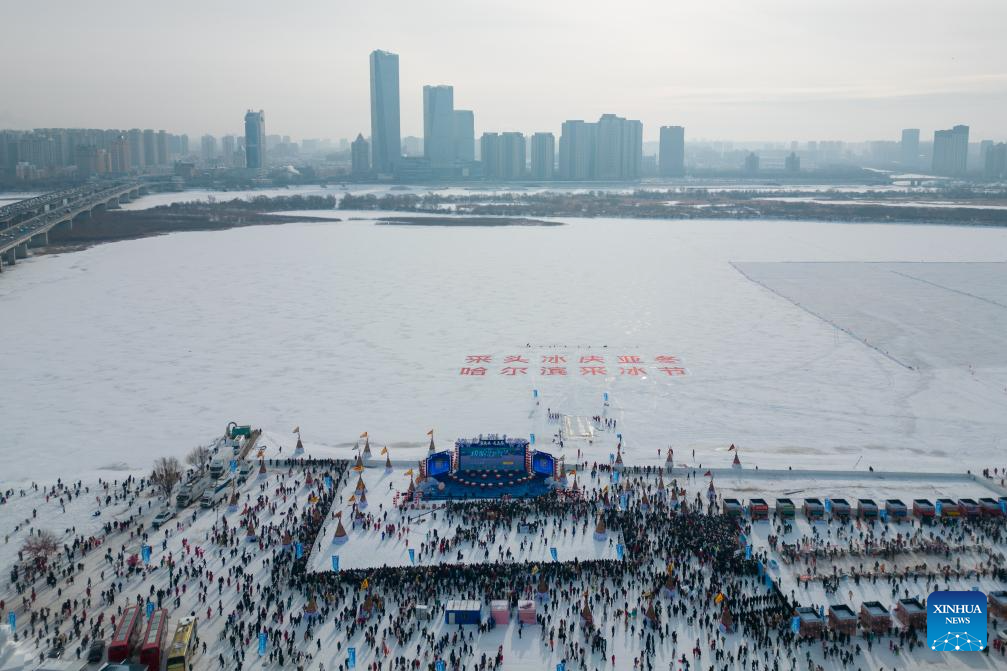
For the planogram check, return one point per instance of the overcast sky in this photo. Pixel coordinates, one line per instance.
(725, 69)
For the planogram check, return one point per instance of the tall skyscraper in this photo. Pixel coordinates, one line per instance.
(618, 148)
(360, 156)
(543, 155)
(385, 135)
(255, 139)
(996, 161)
(464, 136)
(208, 148)
(671, 153)
(438, 125)
(227, 149)
(909, 149)
(951, 151)
(576, 150)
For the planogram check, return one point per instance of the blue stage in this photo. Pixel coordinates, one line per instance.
(489, 467)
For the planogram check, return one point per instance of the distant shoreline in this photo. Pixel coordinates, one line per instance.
(461, 221)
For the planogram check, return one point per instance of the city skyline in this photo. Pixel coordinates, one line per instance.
(758, 75)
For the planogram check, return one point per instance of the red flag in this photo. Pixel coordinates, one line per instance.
(732, 447)
(708, 473)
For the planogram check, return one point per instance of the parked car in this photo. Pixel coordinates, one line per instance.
(96, 652)
(162, 518)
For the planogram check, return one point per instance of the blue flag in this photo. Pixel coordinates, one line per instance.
(534, 393)
(615, 477)
(532, 439)
(828, 504)
(262, 643)
(12, 621)
(335, 562)
(150, 609)
(351, 658)
(234, 465)
(439, 666)
(1003, 506)
(748, 552)
(937, 508)
(795, 624)
(145, 553)
(623, 501)
(605, 396)
(298, 550)
(555, 555)
(619, 550)
(328, 482)
(412, 556)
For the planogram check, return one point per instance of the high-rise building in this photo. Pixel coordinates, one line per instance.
(576, 150)
(543, 155)
(438, 125)
(618, 148)
(792, 163)
(512, 156)
(208, 148)
(135, 137)
(995, 166)
(163, 158)
(255, 140)
(118, 152)
(464, 136)
(752, 163)
(951, 150)
(909, 148)
(360, 156)
(227, 149)
(149, 147)
(385, 135)
(671, 161)
(489, 155)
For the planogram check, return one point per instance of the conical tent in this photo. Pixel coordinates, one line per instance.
(651, 613)
(300, 445)
(600, 529)
(585, 613)
(431, 448)
(361, 487)
(367, 446)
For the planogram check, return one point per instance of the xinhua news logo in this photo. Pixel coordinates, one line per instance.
(956, 621)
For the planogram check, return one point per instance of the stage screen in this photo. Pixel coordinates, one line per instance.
(543, 463)
(491, 457)
(439, 463)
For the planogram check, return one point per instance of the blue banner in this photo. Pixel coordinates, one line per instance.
(412, 556)
(150, 609)
(234, 465)
(555, 555)
(12, 621)
(328, 482)
(335, 562)
(748, 552)
(262, 643)
(534, 393)
(624, 501)
(619, 550)
(439, 666)
(795, 624)
(533, 439)
(615, 477)
(1003, 506)
(828, 504)
(298, 550)
(351, 658)
(605, 396)
(145, 553)
(937, 508)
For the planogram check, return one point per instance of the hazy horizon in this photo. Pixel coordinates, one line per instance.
(784, 70)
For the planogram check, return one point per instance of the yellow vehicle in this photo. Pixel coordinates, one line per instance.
(182, 645)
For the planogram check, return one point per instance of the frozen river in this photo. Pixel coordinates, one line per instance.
(132, 350)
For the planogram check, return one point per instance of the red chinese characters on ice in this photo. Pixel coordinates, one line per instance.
(478, 371)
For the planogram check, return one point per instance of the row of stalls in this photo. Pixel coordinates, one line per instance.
(875, 618)
(814, 508)
(464, 611)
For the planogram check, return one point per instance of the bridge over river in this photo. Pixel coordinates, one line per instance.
(27, 223)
